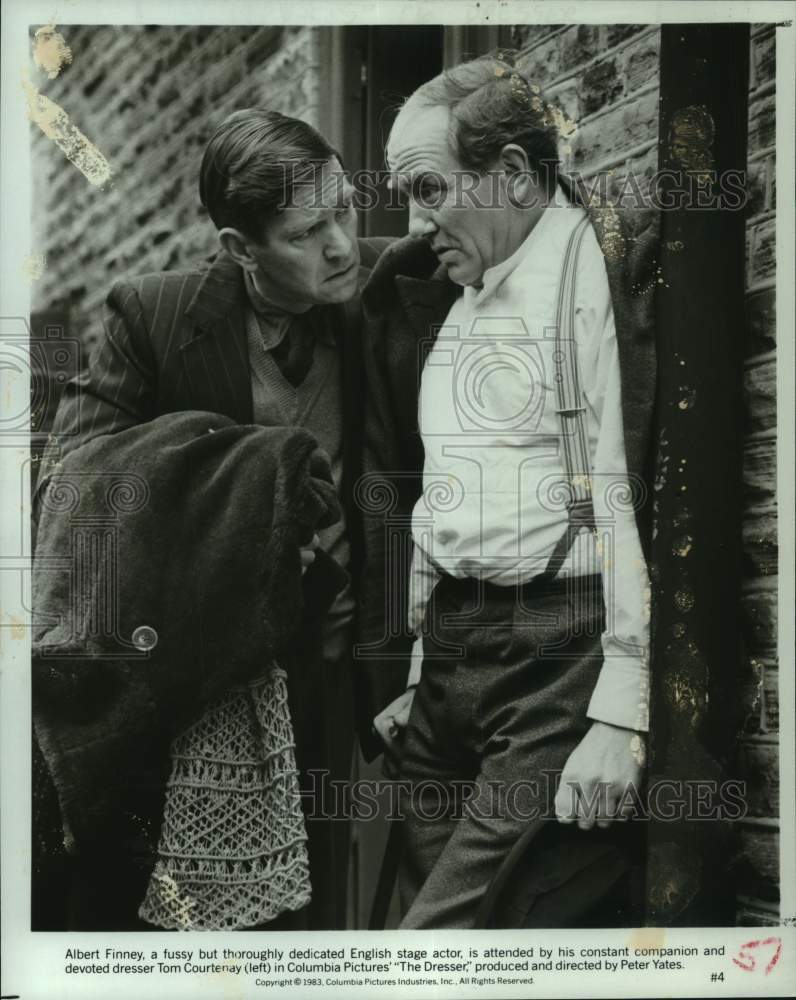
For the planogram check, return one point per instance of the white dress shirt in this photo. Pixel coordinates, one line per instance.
(492, 503)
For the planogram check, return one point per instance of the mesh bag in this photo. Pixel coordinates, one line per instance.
(232, 851)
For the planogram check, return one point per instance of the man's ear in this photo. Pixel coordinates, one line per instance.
(522, 183)
(238, 247)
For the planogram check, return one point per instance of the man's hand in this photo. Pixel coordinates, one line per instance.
(308, 554)
(391, 725)
(599, 770)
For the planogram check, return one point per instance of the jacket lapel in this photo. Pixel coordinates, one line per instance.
(215, 359)
(427, 304)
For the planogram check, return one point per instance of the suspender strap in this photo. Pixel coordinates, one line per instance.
(570, 409)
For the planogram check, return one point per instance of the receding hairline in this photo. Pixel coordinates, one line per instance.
(415, 103)
(474, 134)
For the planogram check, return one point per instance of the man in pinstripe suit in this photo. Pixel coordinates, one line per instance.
(262, 334)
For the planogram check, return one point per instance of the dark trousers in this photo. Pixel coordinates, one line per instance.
(506, 681)
(320, 695)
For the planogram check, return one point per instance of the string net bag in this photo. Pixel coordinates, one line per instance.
(232, 852)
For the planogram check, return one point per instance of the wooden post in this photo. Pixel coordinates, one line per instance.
(696, 646)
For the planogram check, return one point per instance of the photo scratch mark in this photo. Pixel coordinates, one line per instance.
(50, 51)
(34, 265)
(54, 122)
(648, 937)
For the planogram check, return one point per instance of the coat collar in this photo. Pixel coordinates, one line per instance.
(427, 302)
(220, 297)
(409, 269)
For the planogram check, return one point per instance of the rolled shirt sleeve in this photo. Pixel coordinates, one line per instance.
(620, 696)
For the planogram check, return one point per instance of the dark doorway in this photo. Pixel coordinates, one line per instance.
(383, 66)
(399, 60)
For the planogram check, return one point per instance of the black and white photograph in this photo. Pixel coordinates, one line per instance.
(397, 465)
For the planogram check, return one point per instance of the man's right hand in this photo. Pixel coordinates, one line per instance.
(391, 725)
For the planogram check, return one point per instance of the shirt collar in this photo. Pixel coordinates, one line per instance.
(494, 276)
(275, 322)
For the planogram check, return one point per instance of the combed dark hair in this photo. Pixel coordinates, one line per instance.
(492, 103)
(251, 164)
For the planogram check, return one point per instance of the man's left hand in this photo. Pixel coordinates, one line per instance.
(307, 554)
(597, 774)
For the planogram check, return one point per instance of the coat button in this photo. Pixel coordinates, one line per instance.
(145, 637)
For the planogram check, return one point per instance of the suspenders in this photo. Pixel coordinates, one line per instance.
(570, 408)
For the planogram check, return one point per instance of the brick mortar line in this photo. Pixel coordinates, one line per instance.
(760, 585)
(763, 906)
(764, 285)
(767, 216)
(765, 651)
(761, 510)
(763, 822)
(757, 225)
(541, 41)
(762, 29)
(648, 88)
(582, 67)
(614, 161)
(757, 360)
(763, 90)
(761, 154)
(769, 662)
(768, 738)
(755, 437)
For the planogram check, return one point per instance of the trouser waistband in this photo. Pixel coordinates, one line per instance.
(539, 586)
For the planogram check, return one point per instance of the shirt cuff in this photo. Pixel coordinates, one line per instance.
(621, 694)
(416, 664)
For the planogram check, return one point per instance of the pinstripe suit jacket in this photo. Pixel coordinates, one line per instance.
(175, 341)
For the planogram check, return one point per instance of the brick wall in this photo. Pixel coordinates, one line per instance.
(759, 746)
(149, 97)
(605, 79)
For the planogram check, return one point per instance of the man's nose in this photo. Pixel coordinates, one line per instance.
(339, 244)
(420, 222)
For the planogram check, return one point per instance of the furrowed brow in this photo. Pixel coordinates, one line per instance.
(400, 180)
(297, 228)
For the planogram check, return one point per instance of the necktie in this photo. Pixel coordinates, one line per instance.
(293, 354)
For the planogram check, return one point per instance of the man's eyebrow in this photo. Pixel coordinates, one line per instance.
(399, 178)
(297, 228)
